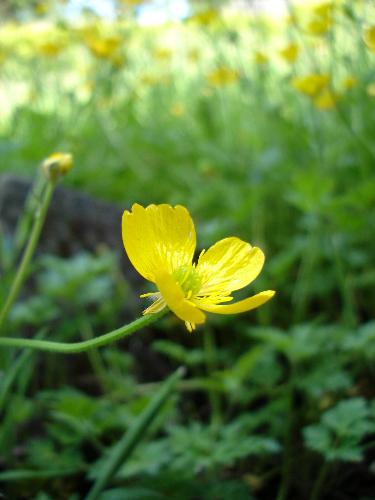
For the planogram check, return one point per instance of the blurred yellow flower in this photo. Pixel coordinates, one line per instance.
(148, 79)
(349, 82)
(41, 8)
(117, 60)
(103, 47)
(205, 17)
(194, 55)
(132, 3)
(319, 26)
(290, 52)
(322, 19)
(51, 48)
(177, 109)
(324, 10)
(152, 80)
(312, 84)
(160, 242)
(260, 58)
(369, 38)
(222, 76)
(162, 53)
(370, 89)
(326, 100)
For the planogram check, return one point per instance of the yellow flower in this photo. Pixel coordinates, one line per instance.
(163, 53)
(370, 89)
(117, 60)
(177, 109)
(326, 100)
(324, 10)
(349, 82)
(104, 47)
(194, 55)
(41, 8)
(312, 84)
(160, 242)
(319, 26)
(290, 52)
(260, 58)
(148, 79)
(132, 3)
(205, 17)
(222, 76)
(51, 48)
(369, 38)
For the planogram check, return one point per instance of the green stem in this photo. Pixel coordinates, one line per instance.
(32, 205)
(76, 347)
(317, 489)
(349, 313)
(288, 452)
(28, 253)
(123, 449)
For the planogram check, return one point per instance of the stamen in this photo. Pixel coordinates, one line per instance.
(190, 326)
(188, 279)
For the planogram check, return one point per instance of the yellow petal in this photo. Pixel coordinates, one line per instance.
(174, 297)
(228, 265)
(369, 37)
(158, 238)
(240, 306)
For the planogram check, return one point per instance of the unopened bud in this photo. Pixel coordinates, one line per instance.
(57, 165)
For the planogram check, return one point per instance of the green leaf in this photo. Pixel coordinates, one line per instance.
(341, 429)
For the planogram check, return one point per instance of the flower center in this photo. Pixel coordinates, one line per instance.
(188, 279)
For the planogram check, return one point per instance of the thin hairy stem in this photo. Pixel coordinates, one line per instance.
(77, 347)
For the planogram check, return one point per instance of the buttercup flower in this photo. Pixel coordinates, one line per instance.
(160, 242)
(312, 84)
(324, 10)
(370, 89)
(326, 100)
(222, 76)
(260, 58)
(103, 47)
(205, 17)
(290, 52)
(51, 48)
(349, 82)
(369, 37)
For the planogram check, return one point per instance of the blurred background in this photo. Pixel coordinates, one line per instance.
(259, 117)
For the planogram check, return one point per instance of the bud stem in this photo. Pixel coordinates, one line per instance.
(20, 276)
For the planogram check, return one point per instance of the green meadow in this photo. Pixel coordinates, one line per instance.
(263, 128)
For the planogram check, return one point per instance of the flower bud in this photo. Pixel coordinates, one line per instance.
(57, 165)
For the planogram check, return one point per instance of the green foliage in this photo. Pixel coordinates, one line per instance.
(282, 389)
(341, 430)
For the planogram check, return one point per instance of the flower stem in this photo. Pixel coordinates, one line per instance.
(317, 488)
(28, 253)
(77, 347)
